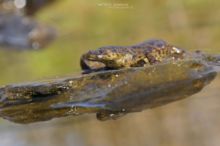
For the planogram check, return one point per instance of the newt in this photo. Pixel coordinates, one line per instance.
(139, 55)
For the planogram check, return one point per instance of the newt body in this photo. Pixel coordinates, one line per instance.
(143, 54)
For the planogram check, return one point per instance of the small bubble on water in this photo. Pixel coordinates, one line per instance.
(112, 115)
(70, 82)
(73, 111)
(76, 110)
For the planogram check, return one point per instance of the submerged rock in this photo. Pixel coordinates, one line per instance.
(20, 32)
(109, 94)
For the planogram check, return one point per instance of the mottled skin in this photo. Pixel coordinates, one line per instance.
(143, 54)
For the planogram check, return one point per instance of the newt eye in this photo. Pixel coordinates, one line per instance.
(141, 63)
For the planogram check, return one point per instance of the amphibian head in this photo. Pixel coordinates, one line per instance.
(115, 57)
(112, 56)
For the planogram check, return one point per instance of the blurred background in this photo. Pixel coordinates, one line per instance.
(84, 25)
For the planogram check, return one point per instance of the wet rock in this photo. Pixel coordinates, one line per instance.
(109, 94)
